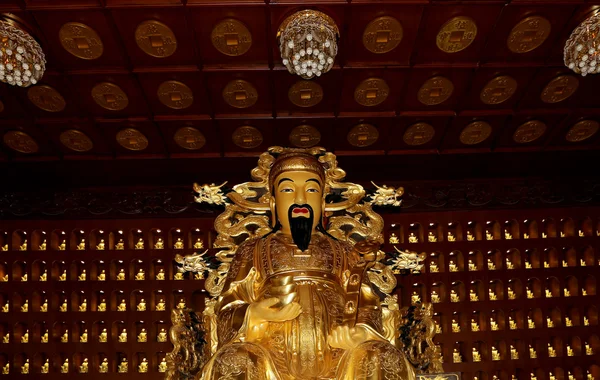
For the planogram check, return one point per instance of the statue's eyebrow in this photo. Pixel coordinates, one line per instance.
(284, 179)
(313, 180)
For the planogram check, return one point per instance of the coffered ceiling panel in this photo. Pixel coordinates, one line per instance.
(296, 96)
(77, 138)
(26, 141)
(307, 132)
(245, 137)
(238, 92)
(552, 88)
(175, 93)
(577, 130)
(529, 132)
(435, 89)
(371, 90)
(52, 97)
(418, 133)
(497, 88)
(133, 137)
(370, 134)
(468, 132)
(191, 138)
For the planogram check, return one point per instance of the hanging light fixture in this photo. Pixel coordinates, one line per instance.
(308, 43)
(22, 61)
(582, 50)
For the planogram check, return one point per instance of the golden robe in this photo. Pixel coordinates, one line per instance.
(298, 349)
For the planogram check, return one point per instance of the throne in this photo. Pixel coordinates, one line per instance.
(349, 216)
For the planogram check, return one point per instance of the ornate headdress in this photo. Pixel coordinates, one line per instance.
(296, 161)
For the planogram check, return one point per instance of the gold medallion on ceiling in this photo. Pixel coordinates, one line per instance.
(247, 137)
(583, 130)
(305, 136)
(559, 89)
(528, 34)
(240, 94)
(305, 93)
(498, 90)
(174, 94)
(46, 98)
(189, 138)
(456, 34)
(435, 91)
(110, 96)
(475, 133)
(155, 39)
(418, 134)
(231, 37)
(382, 35)
(371, 92)
(76, 140)
(529, 131)
(80, 40)
(132, 139)
(363, 135)
(20, 142)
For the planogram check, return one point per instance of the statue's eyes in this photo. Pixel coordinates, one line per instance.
(286, 190)
(312, 190)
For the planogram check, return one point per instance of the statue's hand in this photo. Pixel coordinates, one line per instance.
(347, 338)
(263, 311)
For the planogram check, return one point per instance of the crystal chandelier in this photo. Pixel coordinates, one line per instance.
(581, 53)
(22, 61)
(308, 43)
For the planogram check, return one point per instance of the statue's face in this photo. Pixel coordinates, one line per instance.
(298, 201)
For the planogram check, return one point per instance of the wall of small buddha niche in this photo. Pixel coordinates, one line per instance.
(514, 291)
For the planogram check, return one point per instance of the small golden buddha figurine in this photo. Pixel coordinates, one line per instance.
(544, 235)
(393, 239)
(25, 307)
(63, 307)
(412, 238)
(199, 244)
(83, 338)
(42, 246)
(199, 276)
(529, 293)
(6, 369)
(5, 307)
(567, 292)
(121, 275)
(84, 367)
(452, 266)
(492, 296)
(490, 264)
(162, 367)
(525, 235)
(44, 338)
(488, 235)
(178, 276)
(142, 336)
(507, 235)
(493, 324)
(472, 296)
(549, 293)
(562, 234)
(514, 354)
(549, 323)
(103, 366)
(44, 276)
(552, 376)
(24, 278)
(142, 305)
(431, 237)
(528, 265)
(82, 276)
(476, 355)
(568, 322)
(123, 336)
(140, 276)
(551, 351)
(470, 236)
(64, 338)
(451, 237)
(570, 351)
(45, 367)
(474, 325)
(509, 264)
(570, 376)
(532, 353)
(178, 244)
(435, 298)
(160, 276)
(81, 245)
(139, 244)
(472, 266)
(83, 306)
(63, 245)
(160, 244)
(438, 328)
(102, 305)
(25, 337)
(6, 338)
(101, 276)
(565, 264)
(415, 298)
(23, 247)
(120, 245)
(456, 358)
(101, 245)
(433, 267)
(580, 233)
(103, 337)
(546, 264)
(495, 354)
(453, 296)
(122, 306)
(530, 323)
(588, 349)
(162, 336)
(4, 247)
(455, 326)
(511, 294)
(586, 321)
(532, 376)
(143, 366)
(25, 368)
(160, 306)
(63, 276)
(4, 278)
(589, 376)
(181, 304)
(123, 366)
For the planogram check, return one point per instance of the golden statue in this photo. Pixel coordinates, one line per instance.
(6, 369)
(565, 264)
(24, 278)
(549, 323)
(5, 307)
(525, 235)
(162, 336)
(25, 337)
(451, 237)
(570, 351)
(393, 239)
(160, 276)
(509, 264)
(103, 366)
(570, 375)
(178, 244)
(488, 235)
(530, 323)
(123, 366)
(567, 293)
(139, 245)
(63, 307)
(455, 326)
(160, 244)
(507, 235)
(64, 368)
(431, 237)
(141, 306)
(588, 349)
(82, 276)
(83, 306)
(296, 300)
(528, 265)
(472, 266)
(143, 366)
(532, 376)
(199, 276)
(4, 278)
(456, 358)
(44, 338)
(23, 247)
(412, 238)
(568, 322)
(492, 296)
(5, 248)
(181, 304)
(495, 354)
(142, 336)
(586, 321)
(45, 367)
(102, 305)
(551, 351)
(25, 368)
(546, 264)
(63, 276)
(161, 306)
(101, 245)
(44, 276)
(589, 376)
(529, 292)
(120, 245)
(123, 336)
(63, 245)
(514, 354)
(532, 353)
(562, 234)
(178, 276)
(435, 298)
(140, 276)
(452, 266)
(415, 298)
(582, 262)
(433, 267)
(6, 338)
(64, 338)
(25, 307)
(162, 367)
(121, 275)
(83, 338)
(84, 367)
(101, 276)
(122, 306)
(490, 264)
(493, 324)
(473, 296)
(474, 325)
(470, 236)
(103, 337)
(476, 355)
(81, 245)
(453, 296)
(42, 246)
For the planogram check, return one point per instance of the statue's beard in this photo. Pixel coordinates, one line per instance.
(301, 227)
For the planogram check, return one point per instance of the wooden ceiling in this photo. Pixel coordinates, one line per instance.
(432, 95)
